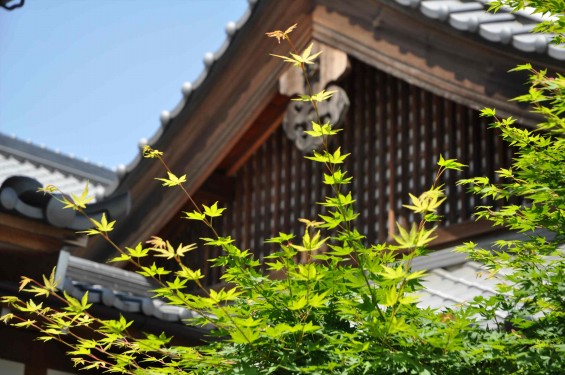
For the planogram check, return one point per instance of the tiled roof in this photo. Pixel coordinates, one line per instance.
(124, 290)
(455, 284)
(24, 168)
(502, 27)
(187, 89)
(19, 158)
(453, 279)
(470, 16)
(444, 287)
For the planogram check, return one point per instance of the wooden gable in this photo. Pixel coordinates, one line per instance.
(415, 88)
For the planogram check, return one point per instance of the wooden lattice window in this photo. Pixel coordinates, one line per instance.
(395, 133)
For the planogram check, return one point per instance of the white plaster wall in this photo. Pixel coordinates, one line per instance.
(11, 368)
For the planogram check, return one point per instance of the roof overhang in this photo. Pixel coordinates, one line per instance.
(237, 89)
(428, 53)
(24, 234)
(226, 112)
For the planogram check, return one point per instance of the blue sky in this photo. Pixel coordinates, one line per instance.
(90, 78)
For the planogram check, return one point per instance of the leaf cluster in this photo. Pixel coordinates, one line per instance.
(326, 301)
(528, 313)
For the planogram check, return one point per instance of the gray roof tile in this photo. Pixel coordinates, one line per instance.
(471, 21)
(20, 195)
(502, 27)
(503, 32)
(25, 167)
(556, 51)
(441, 10)
(471, 16)
(19, 158)
(531, 42)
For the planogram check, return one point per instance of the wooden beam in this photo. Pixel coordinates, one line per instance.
(236, 90)
(35, 368)
(28, 234)
(218, 187)
(267, 122)
(458, 233)
(426, 53)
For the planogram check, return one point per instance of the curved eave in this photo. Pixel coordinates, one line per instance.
(20, 234)
(21, 196)
(241, 79)
(210, 121)
(506, 27)
(39, 156)
(429, 53)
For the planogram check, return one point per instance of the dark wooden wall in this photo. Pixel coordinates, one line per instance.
(395, 133)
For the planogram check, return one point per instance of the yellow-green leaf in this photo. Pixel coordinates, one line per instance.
(172, 180)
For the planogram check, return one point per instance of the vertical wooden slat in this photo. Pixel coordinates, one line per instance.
(363, 155)
(450, 152)
(381, 156)
(404, 131)
(427, 123)
(295, 191)
(277, 155)
(288, 183)
(486, 159)
(247, 219)
(355, 145)
(304, 192)
(415, 128)
(320, 191)
(371, 155)
(349, 133)
(263, 217)
(463, 152)
(437, 138)
(238, 210)
(395, 133)
(392, 133)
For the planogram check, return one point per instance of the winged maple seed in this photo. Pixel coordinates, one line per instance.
(157, 242)
(281, 34)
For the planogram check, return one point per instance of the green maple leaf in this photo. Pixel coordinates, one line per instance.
(213, 210)
(194, 215)
(77, 202)
(298, 60)
(181, 249)
(306, 56)
(102, 226)
(172, 180)
(414, 237)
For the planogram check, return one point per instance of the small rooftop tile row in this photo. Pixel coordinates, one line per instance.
(443, 288)
(502, 27)
(25, 167)
(469, 16)
(20, 158)
(21, 195)
(124, 290)
(187, 89)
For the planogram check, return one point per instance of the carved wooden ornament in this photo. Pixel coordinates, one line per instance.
(332, 65)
